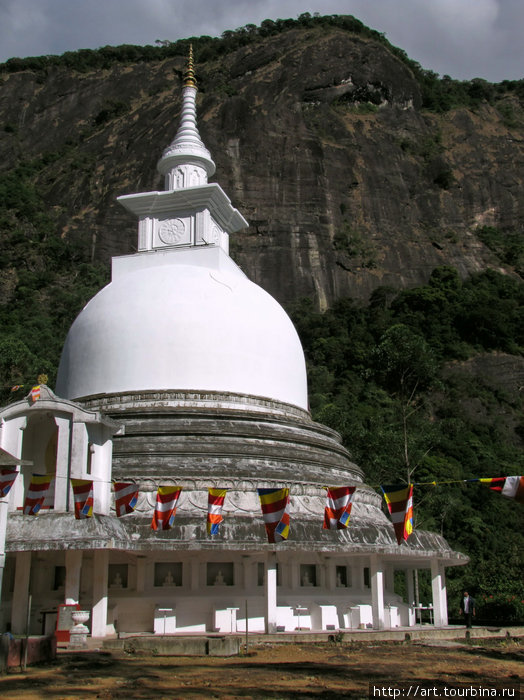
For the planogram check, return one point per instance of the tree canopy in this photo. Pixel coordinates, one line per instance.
(392, 377)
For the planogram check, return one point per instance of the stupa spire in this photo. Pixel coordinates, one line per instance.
(189, 77)
(186, 162)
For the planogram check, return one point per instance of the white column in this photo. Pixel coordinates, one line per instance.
(2, 567)
(247, 572)
(390, 579)
(63, 466)
(320, 570)
(330, 569)
(12, 441)
(355, 574)
(79, 445)
(3, 532)
(270, 592)
(295, 574)
(99, 613)
(102, 451)
(140, 573)
(21, 593)
(73, 564)
(377, 592)
(196, 567)
(410, 587)
(438, 589)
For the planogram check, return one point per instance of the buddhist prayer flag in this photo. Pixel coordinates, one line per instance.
(126, 497)
(400, 504)
(165, 509)
(338, 507)
(275, 511)
(38, 494)
(35, 393)
(7, 479)
(509, 486)
(49, 499)
(83, 493)
(215, 502)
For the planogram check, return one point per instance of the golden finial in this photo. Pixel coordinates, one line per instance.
(189, 77)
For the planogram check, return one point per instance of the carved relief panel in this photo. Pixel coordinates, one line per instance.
(173, 232)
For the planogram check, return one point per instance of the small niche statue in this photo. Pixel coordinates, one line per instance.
(117, 581)
(219, 580)
(169, 580)
(305, 579)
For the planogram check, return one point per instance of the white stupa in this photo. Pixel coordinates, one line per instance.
(181, 314)
(183, 372)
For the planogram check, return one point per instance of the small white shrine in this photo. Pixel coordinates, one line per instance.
(182, 372)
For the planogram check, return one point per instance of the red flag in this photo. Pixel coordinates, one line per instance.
(83, 493)
(215, 502)
(7, 478)
(509, 486)
(275, 511)
(165, 509)
(126, 497)
(38, 492)
(338, 507)
(400, 505)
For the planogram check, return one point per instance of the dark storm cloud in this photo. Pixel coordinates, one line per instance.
(462, 38)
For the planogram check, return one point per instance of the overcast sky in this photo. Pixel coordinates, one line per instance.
(461, 38)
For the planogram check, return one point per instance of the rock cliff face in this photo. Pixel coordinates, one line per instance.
(320, 141)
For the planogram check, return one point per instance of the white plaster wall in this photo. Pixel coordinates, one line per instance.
(12, 439)
(193, 321)
(197, 606)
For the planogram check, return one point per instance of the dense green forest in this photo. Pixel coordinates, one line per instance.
(377, 374)
(380, 373)
(45, 280)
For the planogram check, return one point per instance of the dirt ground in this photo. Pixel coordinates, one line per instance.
(328, 671)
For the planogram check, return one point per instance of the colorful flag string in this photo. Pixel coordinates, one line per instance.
(275, 502)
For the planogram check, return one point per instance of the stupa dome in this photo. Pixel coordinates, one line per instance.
(188, 320)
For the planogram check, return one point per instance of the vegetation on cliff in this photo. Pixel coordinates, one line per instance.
(392, 378)
(45, 280)
(332, 143)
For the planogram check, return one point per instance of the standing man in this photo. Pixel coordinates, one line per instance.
(467, 608)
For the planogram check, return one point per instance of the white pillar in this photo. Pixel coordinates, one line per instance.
(247, 572)
(79, 446)
(330, 569)
(410, 587)
(270, 592)
(99, 613)
(295, 574)
(21, 593)
(102, 451)
(140, 573)
(63, 465)
(438, 589)
(2, 567)
(12, 441)
(377, 592)
(3, 532)
(196, 566)
(73, 564)
(355, 575)
(390, 579)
